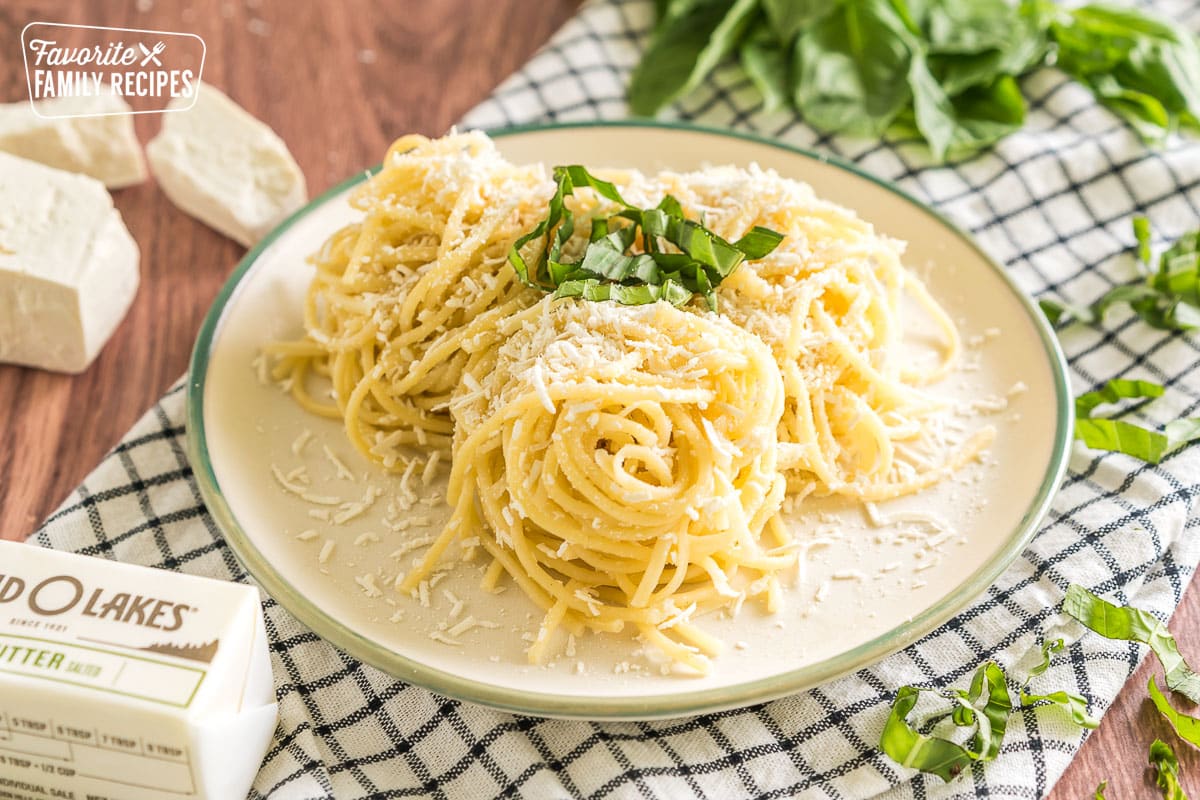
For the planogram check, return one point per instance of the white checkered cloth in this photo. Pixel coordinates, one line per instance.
(1053, 203)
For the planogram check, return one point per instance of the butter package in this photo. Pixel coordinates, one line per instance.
(120, 682)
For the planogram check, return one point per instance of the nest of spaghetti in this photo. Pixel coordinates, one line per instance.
(394, 291)
(624, 465)
(622, 462)
(835, 304)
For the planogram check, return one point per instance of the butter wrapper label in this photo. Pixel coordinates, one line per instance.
(126, 682)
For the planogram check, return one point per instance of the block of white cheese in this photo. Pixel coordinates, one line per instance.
(121, 682)
(224, 167)
(68, 266)
(103, 146)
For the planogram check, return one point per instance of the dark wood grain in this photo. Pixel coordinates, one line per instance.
(338, 81)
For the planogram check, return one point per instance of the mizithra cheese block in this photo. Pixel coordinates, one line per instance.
(224, 167)
(68, 266)
(103, 145)
(120, 682)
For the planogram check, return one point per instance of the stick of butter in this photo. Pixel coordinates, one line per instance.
(120, 682)
(68, 266)
(224, 167)
(97, 140)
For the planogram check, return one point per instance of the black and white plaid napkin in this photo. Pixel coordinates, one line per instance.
(1053, 203)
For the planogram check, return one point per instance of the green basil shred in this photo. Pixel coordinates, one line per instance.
(1166, 297)
(1126, 623)
(982, 709)
(1186, 727)
(679, 257)
(1166, 768)
(1122, 436)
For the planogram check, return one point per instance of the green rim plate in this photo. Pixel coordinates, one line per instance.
(631, 707)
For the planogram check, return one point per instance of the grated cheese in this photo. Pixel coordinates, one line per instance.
(343, 471)
(367, 583)
(300, 441)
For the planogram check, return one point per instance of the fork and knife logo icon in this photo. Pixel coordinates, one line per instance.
(152, 55)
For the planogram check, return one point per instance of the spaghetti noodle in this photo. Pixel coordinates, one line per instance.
(623, 462)
(624, 465)
(393, 292)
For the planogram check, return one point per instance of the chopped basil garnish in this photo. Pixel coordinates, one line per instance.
(679, 257)
(1168, 296)
(1166, 768)
(985, 707)
(1134, 625)
(1075, 705)
(1121, 436)
(1187, 727)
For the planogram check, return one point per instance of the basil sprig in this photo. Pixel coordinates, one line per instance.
(678, 257)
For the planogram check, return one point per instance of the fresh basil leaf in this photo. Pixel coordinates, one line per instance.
(768, 63)
(1114, 391)
(1145, 113)
(931, 107)
(788, 17)
(1075, 706)
(1126, 623)
(1166, 768)
(978, 117)
(850, 69)
(581, 177)
(967, 26)
(986, 113)
(979, 42)
(1143, 68)
(986, 707)
(1186, 727)
(684, 50)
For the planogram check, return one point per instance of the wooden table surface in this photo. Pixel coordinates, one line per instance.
(338, 82)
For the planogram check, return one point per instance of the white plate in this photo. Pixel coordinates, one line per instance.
(879, 592)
